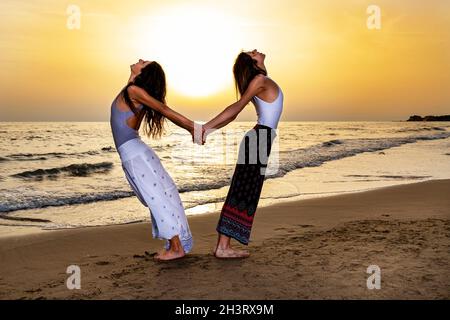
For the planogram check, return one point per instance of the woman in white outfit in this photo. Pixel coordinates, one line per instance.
(143, 98)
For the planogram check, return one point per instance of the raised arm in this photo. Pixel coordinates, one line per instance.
(141, 96)
(231, 112)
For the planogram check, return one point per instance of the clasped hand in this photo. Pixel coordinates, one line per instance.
(199, 134)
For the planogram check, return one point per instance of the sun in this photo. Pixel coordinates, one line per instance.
(195, 46)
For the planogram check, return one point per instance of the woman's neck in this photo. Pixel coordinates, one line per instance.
(262, 67)
(132, 77)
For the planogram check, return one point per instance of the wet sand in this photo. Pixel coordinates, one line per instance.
(309, 249)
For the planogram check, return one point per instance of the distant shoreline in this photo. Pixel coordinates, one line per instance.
(429, 118)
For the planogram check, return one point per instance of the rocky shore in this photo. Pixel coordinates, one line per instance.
(429, 118)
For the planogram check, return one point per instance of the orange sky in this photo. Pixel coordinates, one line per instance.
(328, 63)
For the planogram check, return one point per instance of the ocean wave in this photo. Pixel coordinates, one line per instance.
(316, 155)
(221, 181)
(32, 202)
(109, 149)
(31, 157)
(313, 156)
(51, 201)
(420, 129)
(76, 170)
(57, 155)
(33, 137)
(24, 219)
(45, 201)
(331, 143)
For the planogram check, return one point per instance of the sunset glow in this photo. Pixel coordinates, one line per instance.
(194, 44)
(329, 64)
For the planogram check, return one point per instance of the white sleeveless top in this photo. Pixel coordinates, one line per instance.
(269, 113)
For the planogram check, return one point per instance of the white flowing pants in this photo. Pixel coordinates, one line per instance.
(156, 190)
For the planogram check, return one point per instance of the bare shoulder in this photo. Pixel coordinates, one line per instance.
(258, 82)
(136, 94)
(133, 91)
(260, 79)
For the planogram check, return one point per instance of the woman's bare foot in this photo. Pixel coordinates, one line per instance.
(225, 251)
(230, 253)
(167, 255)
(175, 251)
(160, 252)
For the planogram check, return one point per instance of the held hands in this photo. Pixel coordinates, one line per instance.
(198, 134)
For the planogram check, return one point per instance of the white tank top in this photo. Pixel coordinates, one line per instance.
(269, 113)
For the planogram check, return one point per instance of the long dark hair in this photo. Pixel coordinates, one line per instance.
(244, 70)
(153, 80)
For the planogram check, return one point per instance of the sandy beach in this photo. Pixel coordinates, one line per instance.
(310, 249)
